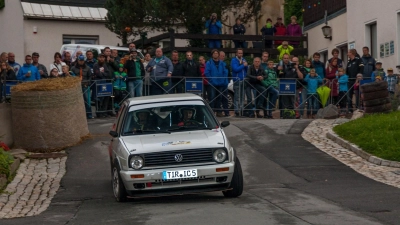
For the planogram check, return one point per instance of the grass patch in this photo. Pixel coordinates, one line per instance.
(376, 134)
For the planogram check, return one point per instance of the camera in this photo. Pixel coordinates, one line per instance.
(293, 64)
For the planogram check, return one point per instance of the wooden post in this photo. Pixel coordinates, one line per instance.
(172, 39)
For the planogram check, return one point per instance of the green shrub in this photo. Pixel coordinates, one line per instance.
(6, 159)
(2, 4)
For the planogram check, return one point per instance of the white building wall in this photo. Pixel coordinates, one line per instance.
(11, 29)
(49, 36)
(318, 43)
(385, 13)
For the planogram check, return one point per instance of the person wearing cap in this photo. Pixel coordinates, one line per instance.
(101, 73)
(41, 68)
(239, 29)
(294, 29)
(214, 26)
(393, 80)
(83, 71)
(135, 73)
(119, 86)
(379, 72)
(268, 30)
(280, 30)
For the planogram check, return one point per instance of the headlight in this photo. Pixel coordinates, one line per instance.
(136, 162)
(219, 155)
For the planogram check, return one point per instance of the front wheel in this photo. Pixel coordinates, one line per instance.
(236, 185)
(118, 186)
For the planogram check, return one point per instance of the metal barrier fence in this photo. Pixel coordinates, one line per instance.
(244, 97)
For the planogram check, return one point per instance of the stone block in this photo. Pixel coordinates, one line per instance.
(14, 166)
(395, 164)
(375, 160)
(385, 162)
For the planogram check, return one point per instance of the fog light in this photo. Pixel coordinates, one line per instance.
(139, 186)
(221, 179)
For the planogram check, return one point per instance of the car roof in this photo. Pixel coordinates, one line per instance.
(97, 46)
(163, 98)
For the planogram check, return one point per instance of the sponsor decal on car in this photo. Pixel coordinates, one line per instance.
(176, 143)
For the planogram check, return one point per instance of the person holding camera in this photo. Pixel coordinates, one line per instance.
(214, 26)
(135, 72)
(290, 70)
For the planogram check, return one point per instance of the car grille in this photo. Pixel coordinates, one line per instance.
(188, 157)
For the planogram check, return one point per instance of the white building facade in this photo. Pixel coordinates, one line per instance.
(355, 24)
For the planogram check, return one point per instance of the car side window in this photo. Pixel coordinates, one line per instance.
(120, 117)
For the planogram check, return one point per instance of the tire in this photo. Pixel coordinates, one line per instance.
(236, 185)
(379, 108)
(375, 102)
(375, 95)
(119, 190)
(374, 87)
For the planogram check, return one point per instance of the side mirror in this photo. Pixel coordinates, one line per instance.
(225, 123)
(113, 133)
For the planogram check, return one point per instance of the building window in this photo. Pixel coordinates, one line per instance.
(343, 53)
(372, 39)
(91, 40)
(324, 56)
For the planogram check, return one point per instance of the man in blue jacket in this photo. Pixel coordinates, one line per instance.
(217, 76)
(214, 26)
(239, 71)
(160, 69)
(28, 71)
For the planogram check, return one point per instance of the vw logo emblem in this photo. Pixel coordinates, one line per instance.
(178, 157)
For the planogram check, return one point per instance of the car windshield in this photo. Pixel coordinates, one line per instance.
(168, 118)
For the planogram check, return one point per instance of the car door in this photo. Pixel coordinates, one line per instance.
(117, 126)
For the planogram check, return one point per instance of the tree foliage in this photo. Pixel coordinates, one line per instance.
(293, 8)
(164, 14)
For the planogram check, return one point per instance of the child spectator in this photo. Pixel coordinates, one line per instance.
(303, 97)
(318, 65)
(313, 81)
(379, 72)
(271, 83)
(66, 72)
(285, 48)
(268, 30)
(392, 80)
(343, 80)
(359, 78)
(119, 85)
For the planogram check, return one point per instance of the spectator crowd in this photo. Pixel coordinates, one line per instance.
(255, 83)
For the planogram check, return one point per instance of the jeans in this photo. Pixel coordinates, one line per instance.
(313, 104)
(218, 93)
(135, 88)
(238, 88)
(214, 44)
(178, 86)
(304, 99)
(207, 92)
(86, 99)
(343, 101)
(286, 102)
(350, 97)
(272, 97)
(160, 87)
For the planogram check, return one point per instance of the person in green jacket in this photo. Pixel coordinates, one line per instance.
(271, 83)
(119, 85)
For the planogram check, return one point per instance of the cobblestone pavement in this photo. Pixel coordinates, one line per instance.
(32, 189)
(315, 133)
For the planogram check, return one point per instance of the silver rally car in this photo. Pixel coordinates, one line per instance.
(171, 145)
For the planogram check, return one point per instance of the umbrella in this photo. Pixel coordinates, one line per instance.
(323, 93)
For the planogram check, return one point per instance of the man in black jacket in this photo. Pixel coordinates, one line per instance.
(354, 67)
(190, 67)
(255, 75)
(83, 71)
(177, 74)
(239, 29)
(101, 74)
(135, 73)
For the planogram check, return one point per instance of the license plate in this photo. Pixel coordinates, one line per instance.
(179, 174)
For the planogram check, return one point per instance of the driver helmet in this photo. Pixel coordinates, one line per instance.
(136, 114)
(181, 111)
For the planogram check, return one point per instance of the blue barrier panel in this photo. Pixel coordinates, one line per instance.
(9, 85)
(104, 89)
(287, 87)
(194, 85)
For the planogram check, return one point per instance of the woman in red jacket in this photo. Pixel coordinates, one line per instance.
(280, 31)
(331, 81)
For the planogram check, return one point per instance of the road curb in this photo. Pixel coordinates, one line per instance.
(358, 151)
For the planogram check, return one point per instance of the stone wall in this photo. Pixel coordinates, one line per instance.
(6, 124)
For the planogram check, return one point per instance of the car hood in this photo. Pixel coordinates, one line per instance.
(174, 141)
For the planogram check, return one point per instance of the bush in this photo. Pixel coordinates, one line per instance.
(6, 159)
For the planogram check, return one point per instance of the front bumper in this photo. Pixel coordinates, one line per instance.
(208, 180)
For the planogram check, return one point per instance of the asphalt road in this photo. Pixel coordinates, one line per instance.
(287, 181)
